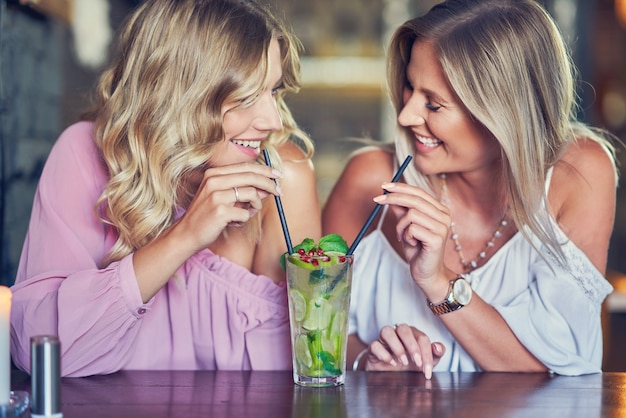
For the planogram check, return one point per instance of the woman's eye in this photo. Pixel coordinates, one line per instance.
(432, 107)
(245, 100)
(248, 101)
(277, 89)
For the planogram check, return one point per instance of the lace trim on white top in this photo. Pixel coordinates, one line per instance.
(589, 279)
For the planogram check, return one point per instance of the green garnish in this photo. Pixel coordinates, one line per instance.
(332, 243)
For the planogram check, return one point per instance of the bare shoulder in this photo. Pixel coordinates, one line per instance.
(589, 156)
(367, 169)
(350, 201)
(582, 197)
(295, 165)
(586, 167)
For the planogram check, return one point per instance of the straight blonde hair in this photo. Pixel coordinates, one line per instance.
(508, 64)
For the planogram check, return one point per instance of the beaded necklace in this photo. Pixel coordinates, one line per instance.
(471, 264)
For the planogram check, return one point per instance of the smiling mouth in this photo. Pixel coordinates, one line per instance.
(247, 144)
(428, 142)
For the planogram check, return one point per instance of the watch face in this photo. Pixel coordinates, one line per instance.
(462, 291)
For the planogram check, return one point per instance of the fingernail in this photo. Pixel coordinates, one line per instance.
(417, 360)
(388, 186)
(393, 363)
(277, 173)
(428, 371)
(379, 199)
(279, 190)
(404, 359)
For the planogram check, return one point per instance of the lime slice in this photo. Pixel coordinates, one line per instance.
(319, 315)
(296, 260)
(338, 324)
(303, 354)
(335, 256)
(298, 304)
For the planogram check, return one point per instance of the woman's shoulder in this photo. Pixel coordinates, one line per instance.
(582, 197)
(77, 140)
(296, 166)
(589, 155)
(585, 165)
(75, 154)
(350, 201)
(79, 132)
(368, 168)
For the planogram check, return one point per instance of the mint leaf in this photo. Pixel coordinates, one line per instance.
(333, 242)
(328, 243)
(307, 245)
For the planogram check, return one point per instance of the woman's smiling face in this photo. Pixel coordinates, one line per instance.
(446, 137)
(245, 127)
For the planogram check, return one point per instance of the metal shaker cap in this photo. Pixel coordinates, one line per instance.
(45, 367)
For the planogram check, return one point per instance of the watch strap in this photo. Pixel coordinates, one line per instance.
(449, 304)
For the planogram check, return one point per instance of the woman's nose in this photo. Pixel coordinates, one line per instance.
(410, 114)
(268, 118)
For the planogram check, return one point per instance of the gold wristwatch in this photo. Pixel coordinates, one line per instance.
(459, 295)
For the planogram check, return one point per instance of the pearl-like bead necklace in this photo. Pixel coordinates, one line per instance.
(473, 263)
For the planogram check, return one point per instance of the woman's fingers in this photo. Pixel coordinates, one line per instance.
(419, 214)
(380, 351)
(408, 196)
(407, 345)
(257, 176)
(393, 345)
(228, 196)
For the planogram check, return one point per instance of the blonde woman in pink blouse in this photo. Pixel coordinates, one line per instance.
(154, 240)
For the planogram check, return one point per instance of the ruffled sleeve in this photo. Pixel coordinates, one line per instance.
(60, 289)
(557, 316)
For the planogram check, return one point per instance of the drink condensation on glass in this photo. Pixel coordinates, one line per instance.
(319, 302)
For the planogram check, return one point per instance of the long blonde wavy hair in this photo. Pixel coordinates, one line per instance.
(508, 64)
(158, 106)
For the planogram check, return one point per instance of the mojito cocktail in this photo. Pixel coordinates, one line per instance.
(319, 285)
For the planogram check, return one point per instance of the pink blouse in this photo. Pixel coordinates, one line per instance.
(213, 314)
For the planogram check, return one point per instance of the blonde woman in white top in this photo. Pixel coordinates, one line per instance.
(491, 252)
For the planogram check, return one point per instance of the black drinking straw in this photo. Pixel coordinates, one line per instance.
(377, 208)
(281, 212)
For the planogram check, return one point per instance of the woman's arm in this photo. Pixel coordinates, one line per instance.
(60, 289)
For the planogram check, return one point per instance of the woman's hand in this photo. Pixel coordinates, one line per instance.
(227, 195)
(422, 227)
(403, 347)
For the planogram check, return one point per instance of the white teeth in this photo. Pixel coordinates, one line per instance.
(429, 142)
(249, 144)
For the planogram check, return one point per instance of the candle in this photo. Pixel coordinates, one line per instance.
(5, 353)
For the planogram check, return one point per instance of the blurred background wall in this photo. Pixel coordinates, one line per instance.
(49, 62)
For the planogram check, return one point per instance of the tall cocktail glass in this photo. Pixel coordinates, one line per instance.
(319, 302)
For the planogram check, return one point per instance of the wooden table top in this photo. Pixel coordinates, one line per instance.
(258, 394)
